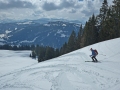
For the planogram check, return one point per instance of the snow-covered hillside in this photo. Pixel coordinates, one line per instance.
(53, 34)
(67, 72)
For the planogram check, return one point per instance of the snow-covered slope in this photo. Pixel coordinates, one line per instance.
(13, 60)
(67, 72)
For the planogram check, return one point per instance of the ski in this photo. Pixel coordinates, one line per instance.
(93, 61)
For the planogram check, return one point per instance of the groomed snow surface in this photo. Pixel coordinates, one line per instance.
(67, 72)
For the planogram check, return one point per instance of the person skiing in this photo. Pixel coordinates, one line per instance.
(94, 54)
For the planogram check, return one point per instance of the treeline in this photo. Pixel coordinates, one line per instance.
(104, 26)
(14, 47)
(45, 52)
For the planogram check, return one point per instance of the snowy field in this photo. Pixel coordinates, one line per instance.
(67, 72)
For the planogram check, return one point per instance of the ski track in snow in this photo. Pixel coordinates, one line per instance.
(69, 72)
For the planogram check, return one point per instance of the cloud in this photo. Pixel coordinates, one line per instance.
(72, 11)
(35, 9)
(48, 6)
(8, 4)
(37, 13)
(90, 8)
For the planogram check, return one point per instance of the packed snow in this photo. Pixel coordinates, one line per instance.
(7, 31)
(28, 22)
(2, 35)
(26, 41)
(67, 72)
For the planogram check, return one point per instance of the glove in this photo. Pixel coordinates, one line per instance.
(90, 55)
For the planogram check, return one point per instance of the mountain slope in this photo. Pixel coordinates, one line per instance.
(53, 34)
(67, 72)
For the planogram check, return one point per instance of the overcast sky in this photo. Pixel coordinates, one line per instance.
(35, 9)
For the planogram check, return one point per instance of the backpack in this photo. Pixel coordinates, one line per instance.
(96, 52)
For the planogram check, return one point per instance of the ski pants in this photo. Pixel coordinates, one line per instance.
(94, 59)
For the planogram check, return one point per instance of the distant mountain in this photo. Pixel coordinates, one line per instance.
(42, 20)
(33, 32)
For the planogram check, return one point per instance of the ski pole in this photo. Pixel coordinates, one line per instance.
(102, 54)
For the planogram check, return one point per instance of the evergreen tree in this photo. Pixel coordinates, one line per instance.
(49, 53)
(30, 55)
(78, 39)
(71, 42)
(32, 47)
(63, 49)
(103, 12)
(37, 50)
(33, 54)
(90, 34)
(116, 16)
(102, 16)
(57, 53)
(84, 35)
(94, 30)
(102, 19)
(41, 54)
(110, 25)
(15, 48)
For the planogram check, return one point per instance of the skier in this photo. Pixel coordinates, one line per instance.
(94, 54)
